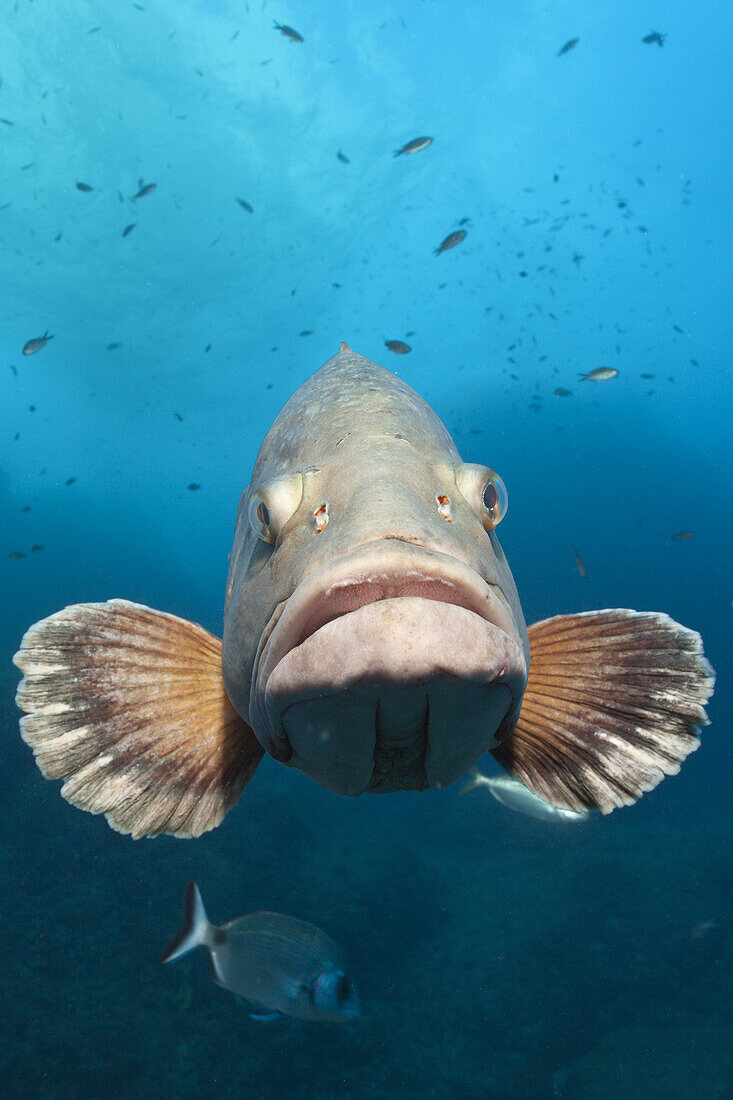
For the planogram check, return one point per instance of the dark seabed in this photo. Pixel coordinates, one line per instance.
(496, 956)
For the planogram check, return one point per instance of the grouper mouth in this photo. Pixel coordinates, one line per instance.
(390, 667)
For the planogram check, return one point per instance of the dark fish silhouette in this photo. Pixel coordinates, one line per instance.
(569, 45)
(288, 32)
(342, 158)
(399, 347)
(128, 229)
(83, 186)
(683, 536)
(245, 205)
(580, 564)
(414, 146)
(397, 656)
(38, 342)
(450, 241)
(144, 189)
(281, 965)
(654, 36)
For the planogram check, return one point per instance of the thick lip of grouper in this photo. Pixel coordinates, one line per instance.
(381, 618)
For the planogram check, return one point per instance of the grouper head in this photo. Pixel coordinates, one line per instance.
(373, 636)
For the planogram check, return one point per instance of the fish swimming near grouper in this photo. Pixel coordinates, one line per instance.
(450, 241)
(37, 343)
(415, 146)
(515, 796)
(283, 966)
(373, 639)
(600, 374)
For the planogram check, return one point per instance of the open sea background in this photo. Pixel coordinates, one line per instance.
(496, 956)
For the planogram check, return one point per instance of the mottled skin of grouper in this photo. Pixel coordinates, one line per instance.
(376, 452)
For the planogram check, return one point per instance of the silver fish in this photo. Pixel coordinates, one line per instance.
(38, 342)
(515, 796)
(373, 639)
(415, 146)
(600, 374)
(282, 965)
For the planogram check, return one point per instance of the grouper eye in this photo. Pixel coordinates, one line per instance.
(272, 505)
(485, 492)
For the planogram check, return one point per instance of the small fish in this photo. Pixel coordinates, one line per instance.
(600, 374)
(36, 547)
(83, 186)
(281, 965)
(194, 486)
(113, 346)
(515, 796)
(646, 375)
(38, 342)
(288, 32)
(144, 189)
(569, 45)
(70, 481)
(399, 347)
(245, 205)
(306, 332)
(652, 37)
(580, 564)
(562, 392)
(450, 241)
(344, 159)
(16, 555)
(683, 536)
(414, 146)
(703, 928)
(128, 229)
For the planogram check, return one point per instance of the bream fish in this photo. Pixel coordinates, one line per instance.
(654, 36)
(283, 966)
(373, 639)
(450, 241)
(600, 374)
(515, 796)
(38, 342)
(414, 146)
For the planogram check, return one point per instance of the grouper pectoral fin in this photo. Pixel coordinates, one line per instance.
(128, 706)
(613, 703)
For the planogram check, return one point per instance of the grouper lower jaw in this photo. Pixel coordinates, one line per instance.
(390, 668)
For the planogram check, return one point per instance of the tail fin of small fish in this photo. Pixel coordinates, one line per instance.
(474, 779)
(195, 930)
(128, 706)
(613, 704)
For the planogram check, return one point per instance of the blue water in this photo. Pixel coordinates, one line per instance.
(496, 956)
